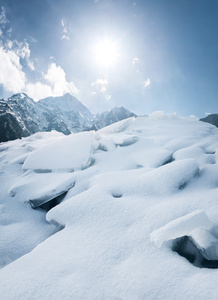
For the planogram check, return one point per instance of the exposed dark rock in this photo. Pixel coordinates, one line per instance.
(186, 248)
(212, 119)
(21, 116)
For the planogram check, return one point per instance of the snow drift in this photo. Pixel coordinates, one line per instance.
(142, 177)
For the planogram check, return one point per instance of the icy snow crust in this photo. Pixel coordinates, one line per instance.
(129, 190)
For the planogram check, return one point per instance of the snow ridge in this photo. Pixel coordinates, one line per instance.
(125, 212)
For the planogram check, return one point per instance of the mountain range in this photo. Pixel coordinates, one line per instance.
(21, 116)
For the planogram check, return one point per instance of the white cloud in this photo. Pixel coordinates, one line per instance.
(11, 76)
(57, 78)
(147, 83)
(14, 80)
(3, 18)
(38, 90)
(65, 30)
(135, 61)
(22, 49)
(65, 37)
(108, 97)
(100, 84)
(9, 31)
(56, 85)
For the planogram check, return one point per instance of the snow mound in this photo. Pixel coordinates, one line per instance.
(169, 178)
(153, 179)
(38, 189)
(196, 153)
(124, 139)
(67, 153)
(206, 242)
(106, 144)
(150, 155)
(181, 227)
(117, 127)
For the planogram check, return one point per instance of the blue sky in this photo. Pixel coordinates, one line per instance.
(167, 53)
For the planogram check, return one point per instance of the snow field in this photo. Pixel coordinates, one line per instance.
(150, 176)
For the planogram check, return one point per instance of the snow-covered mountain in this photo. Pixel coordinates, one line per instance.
(127, 212)
(10, 129)
(20, 116)
(65, 114)
(109, 117)
(211, 118)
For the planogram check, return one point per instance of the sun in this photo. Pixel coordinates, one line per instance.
(106, 53)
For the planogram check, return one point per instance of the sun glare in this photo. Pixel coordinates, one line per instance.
(106, 53)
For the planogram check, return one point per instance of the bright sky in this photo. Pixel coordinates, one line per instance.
(146, 55)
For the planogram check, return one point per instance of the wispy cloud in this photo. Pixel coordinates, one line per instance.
(3, 18)
(108, 97)
(65, 37)
(14, 80)
(100, 84)
(12, 77)
(147, 83)
(65, 30)
(14, 55)
(135, 61)
(23, 51)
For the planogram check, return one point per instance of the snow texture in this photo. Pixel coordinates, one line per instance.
(63, 154)
(146, 177)
(181, 227)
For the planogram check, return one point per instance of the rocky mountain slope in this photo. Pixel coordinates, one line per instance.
(109, 117)
(212, 119)
(21, 116)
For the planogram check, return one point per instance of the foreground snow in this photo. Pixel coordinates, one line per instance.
(129, 197)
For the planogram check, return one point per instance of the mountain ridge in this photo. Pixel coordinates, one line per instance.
(211, 118)
(21, 116)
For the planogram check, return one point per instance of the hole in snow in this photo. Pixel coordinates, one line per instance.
(117, 195)
(182, 186)
(186, 248)
(101, 147)
(88, 164)
(168, 161)
(139, 166)
(52, 203)
(42, 171)
(209, 152)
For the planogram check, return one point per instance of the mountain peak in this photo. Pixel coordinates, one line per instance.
(211, 118)
(65, 114)
(20, 96)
